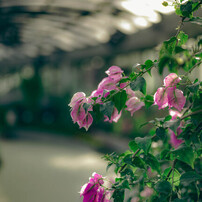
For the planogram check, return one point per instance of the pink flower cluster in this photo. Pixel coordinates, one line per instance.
(174, 141)
(169, 95)
(81, 114)
(93, 190)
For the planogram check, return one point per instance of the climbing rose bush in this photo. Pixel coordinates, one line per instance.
(165, 164)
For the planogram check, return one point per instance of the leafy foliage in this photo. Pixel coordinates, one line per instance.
(171, 172)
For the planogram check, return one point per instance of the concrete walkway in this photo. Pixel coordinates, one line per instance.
(44, 169)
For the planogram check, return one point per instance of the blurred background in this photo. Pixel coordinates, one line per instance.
(50, 49)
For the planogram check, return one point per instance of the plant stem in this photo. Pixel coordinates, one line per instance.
(196, 7)
(172, 183)
(192, 113)
(133, 156)
(173, 166)
(197, 64)
(180, 26)
(143, 72)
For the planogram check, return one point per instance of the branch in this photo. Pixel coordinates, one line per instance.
(142, 73)
(180, 26)
(192, 113)
(197, 64)
(173, 166)
(196, 7)
(133, 156)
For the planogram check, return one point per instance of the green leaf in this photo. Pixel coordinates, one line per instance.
(194, 87)
(133, 146)
(190, 177)
(137, 161)
(168, 46)
(119, 100)
(162, 63)
(107, 108)
(165, 55)
(179, 200)
(118, 195)
(124, 80)
(179, 49)
(184, 154)
(139, 84)
(172, 124)
(128, 159)
(96, 110)
(165, 154)
(108, 166)
(148, 100)
(94, 98)
(127, 171)
(182, 38)
(144, 143)
(175, 177)
(133, 76)
(149, 64)
(86, 107)
(165, 3)
(168, 118)
(161, 133)
(163, 187)
(152, 162)
(186, 9)
(124, 184)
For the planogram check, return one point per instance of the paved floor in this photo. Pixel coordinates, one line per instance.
(46, 170)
